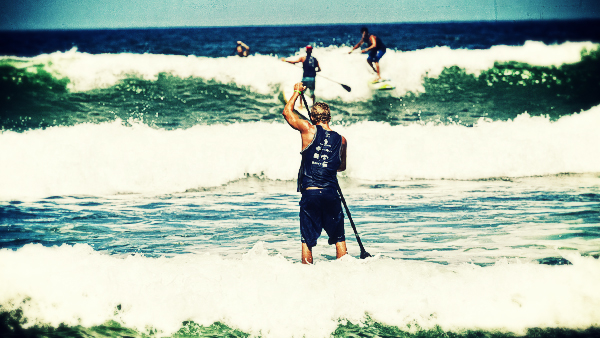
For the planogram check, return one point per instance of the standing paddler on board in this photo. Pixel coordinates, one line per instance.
(310, 67)
(323, 155)
(376, 50)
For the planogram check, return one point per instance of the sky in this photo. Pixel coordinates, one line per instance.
(78, 14)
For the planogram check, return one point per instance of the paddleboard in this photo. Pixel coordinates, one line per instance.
(284, 98)
(379, 80)
(383, 84)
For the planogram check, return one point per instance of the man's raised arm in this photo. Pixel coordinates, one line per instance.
(294, 118)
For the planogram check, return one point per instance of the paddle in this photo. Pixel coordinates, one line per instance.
(347, 88)
(363, 253)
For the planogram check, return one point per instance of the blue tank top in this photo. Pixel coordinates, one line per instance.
(310, 67)
(380, 45)
(320, 161)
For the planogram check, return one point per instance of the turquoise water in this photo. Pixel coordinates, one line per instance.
(35, 96)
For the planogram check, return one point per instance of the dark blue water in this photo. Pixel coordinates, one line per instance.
(285, 40)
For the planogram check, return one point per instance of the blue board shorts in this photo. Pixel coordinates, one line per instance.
(374, 56)
(309, 82)
(321, 209)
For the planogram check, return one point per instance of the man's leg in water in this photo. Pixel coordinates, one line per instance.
(371, 64)
(377, 70)
(306, 254)
(340, 249)
(312, 95)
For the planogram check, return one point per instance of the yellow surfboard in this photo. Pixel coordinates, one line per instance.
(383, 84)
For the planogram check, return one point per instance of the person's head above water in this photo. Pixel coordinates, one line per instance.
(242, 49)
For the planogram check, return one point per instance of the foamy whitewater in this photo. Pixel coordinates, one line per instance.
(147, 182)
(263, 72)
(109, 158)
(270, 296)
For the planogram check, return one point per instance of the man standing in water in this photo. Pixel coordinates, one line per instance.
(323, 155)
(310, 65)
(376, 50)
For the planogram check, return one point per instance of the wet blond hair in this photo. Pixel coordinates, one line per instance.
(320, 113)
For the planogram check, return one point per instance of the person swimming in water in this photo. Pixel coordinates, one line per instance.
(242, 49)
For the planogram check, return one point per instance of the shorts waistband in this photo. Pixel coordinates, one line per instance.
(321, 190)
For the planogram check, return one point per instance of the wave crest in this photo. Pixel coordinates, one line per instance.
(113, 158)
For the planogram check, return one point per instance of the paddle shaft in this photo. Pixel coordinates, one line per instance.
(363, 253)
(362, 248)
(347, 88)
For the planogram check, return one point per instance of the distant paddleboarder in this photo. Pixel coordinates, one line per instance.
(242, 49)
(376, 49)
(310, 65)
(323, 155)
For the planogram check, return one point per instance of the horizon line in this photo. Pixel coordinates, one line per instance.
(298, 25)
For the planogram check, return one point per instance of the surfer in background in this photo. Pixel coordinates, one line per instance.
(242, 49)
(323, 155)
(310, 65)
(376, 49)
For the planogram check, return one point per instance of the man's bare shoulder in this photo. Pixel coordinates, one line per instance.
(304, 125)
(311, 129)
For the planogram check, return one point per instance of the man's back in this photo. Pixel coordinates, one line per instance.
(309, 65)
(321, 160)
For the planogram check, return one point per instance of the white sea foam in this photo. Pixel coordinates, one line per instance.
(263, 73)
(268, 295)
(110, 158)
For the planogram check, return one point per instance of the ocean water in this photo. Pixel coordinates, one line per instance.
(147, 183)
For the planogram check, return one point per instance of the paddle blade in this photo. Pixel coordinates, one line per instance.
(348, 89)
(364, 255)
